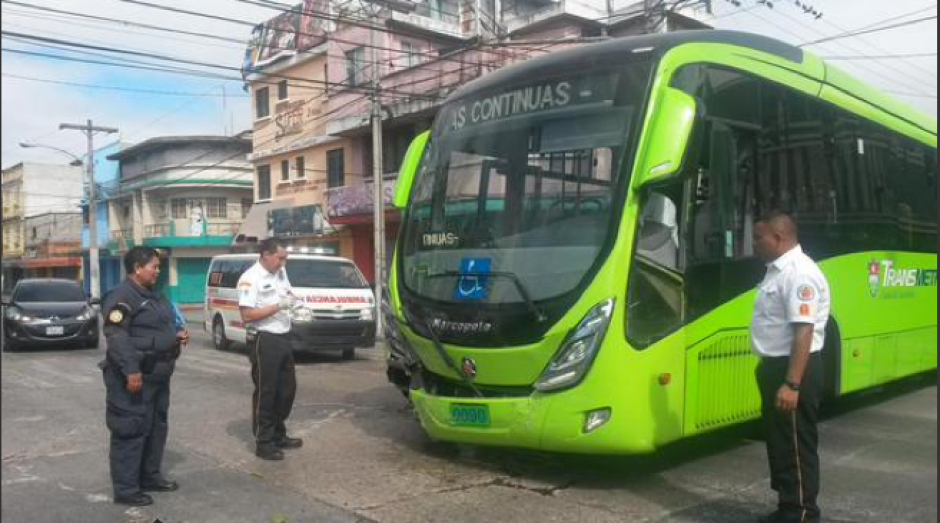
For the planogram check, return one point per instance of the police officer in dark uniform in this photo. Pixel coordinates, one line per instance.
(143, 343)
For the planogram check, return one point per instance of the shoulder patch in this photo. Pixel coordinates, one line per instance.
(118, 313)
(806, 293)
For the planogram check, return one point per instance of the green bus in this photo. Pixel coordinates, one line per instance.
(575, 269)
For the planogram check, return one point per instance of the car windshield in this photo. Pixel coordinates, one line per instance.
(49, 291)
(522, 183)
(324, 274)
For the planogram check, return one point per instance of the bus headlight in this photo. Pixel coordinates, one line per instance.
(574, 359)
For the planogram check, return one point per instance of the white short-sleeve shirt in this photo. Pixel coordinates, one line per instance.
(794, 290)
(259, 288)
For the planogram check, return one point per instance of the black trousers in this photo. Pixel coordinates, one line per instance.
(272, 371)
(792, 438)
(139, 428)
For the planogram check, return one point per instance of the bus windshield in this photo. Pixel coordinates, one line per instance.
(522, 182)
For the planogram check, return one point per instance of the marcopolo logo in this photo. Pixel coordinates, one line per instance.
(883, 274)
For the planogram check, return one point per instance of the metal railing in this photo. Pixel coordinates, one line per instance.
(157, 230)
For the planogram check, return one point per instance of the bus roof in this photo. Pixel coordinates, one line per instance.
(619, 51)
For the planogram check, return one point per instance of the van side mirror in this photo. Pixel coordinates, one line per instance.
(670, 132)
(409, 169)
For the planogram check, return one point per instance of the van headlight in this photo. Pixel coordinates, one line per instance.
(577, 353)
(367, 314)
(301, 314)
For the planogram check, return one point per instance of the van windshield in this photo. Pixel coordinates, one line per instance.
(324, 274)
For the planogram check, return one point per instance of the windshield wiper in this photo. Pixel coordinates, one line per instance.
(539, 315)
(410, 316)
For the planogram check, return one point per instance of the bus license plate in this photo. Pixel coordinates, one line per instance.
(470, 415)
(57, 330)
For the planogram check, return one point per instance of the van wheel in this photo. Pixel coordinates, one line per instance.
(219, 339)
(349, 354)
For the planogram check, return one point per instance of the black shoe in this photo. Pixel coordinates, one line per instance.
(779, 516)
(289, 443)
(269, 453)
(164, 485)
(135, 500)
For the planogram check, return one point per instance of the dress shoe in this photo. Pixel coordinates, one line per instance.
(135, 500)
(164, 485)
(289, 443)
(269, 453)
(780, 516)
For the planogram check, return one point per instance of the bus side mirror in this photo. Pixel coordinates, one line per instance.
(409, 169)
(670, 134)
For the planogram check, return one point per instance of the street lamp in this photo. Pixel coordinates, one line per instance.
(76, 161)
(93, 262)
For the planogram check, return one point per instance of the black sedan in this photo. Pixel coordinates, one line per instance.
(49, 313)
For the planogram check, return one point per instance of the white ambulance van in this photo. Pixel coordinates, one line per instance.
(338, 311)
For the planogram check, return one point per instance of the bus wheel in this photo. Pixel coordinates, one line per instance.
(349, 354)
(219, 339)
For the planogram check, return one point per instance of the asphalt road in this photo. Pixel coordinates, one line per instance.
(366, 459)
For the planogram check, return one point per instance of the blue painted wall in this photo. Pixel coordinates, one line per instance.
(107, 177)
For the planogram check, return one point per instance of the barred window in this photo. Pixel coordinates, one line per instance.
(178, 208)
(216, 208)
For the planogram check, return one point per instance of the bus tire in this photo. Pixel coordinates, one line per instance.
(832, 362)
(219, 339)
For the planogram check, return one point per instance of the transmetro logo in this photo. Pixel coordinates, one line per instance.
(883, 274)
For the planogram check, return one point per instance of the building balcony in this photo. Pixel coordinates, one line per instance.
(121, 240)
(183, 233)
(554, 10)
(344, 203)
(426, 19)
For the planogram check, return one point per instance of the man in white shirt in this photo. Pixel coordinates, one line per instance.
(787, 333)
(265, 299)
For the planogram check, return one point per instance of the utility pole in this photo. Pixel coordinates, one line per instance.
(378, 185)
(93, 265)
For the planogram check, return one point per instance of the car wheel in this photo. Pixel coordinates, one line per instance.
(349, 354)
(219, 339)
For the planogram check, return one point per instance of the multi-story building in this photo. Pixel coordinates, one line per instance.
(53, 246)
(110, 267)
(184, 195)
(291, 149)
(32, 189)
(417, 53)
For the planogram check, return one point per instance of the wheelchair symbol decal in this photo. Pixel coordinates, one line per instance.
(473, 287)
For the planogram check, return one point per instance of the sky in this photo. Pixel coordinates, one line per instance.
(32, 110)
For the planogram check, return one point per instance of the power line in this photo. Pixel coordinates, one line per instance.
(118, 88)
(853, 34)
(879, 49)
(880, 57)
(172, 59)
(880, 74)
(915, 95)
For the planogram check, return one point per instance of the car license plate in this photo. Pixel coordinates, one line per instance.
(55, 330)
(470, 415)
